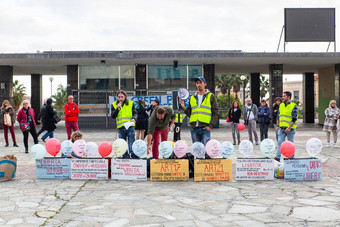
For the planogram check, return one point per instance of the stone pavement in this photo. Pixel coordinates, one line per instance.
(30, 202)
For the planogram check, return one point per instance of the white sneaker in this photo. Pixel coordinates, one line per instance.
(328, 145)
(334, 145)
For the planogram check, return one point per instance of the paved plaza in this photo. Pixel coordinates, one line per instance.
(27, 201)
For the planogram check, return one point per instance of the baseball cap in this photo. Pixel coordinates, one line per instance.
(201, 79)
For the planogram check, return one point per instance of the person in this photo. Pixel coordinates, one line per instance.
(159, 127)
(286, 121)
(250, 118)
(49, 120)
(26, 115)
(71, 116)
(153, 106)
(142, 120)
(6, 108)
(41, 117)
(330, 123)
(264, 119)
(124, 111)
(202, 112)
(234, 116)
(77, 135)
(276, 105)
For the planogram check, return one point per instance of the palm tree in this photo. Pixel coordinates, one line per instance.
(264, 86)
(60, 97)
(224, 83)
(19, 92)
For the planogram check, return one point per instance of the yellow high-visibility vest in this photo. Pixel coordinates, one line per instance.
(125, 114)
(202, 113)
(285, 117)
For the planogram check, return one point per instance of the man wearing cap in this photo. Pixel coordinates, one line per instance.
(202, 112)
(124, 111)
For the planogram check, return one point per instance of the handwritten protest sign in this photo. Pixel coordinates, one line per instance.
(213, 170)
(128, 169)
(302, 170)
(53, 168)
(169, 170)
(254, 169)
(89, 169)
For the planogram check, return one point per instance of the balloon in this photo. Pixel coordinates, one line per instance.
(79, 148)
(198, 150)
(120, 146)
(287, 149)
(104, 149)
(227, 149)
(267, 147)
(139, 147)
(165, 149)
(313, 146)
(246, 148)
(241, 127)
(180, 148)
(38, 151)
(213, 148)
(66, 147)
(52, 146)
(91, 149)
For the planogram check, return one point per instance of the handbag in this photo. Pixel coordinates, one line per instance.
(267, 120)
(56, 119)
(7, 120)
(228, 120)
(25, 126)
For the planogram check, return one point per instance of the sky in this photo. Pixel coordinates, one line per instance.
(69, 25)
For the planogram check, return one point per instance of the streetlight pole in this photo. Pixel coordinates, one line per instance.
(243, 78)
(51, 79)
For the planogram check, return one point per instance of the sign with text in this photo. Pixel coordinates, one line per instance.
(254, 169)
(169, 170)
(96, 169)
(213, 170)
(302, 170)
(53, 168)
(128, 169)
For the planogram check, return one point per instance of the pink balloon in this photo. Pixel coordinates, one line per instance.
(213, 148)
(241, 127)
(104, 149)
(79, 148)
(180, 148)
(53, 146)
(287, 149)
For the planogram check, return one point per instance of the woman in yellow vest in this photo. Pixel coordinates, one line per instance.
(124, 111)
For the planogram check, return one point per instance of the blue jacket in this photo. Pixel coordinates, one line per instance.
(263, 112)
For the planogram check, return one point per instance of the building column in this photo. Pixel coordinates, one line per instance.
(209, 76)
(72, 80)
(36, 93)
(255, 88)
(326, 90)
(308, 97)
(141, 89)
(275, 83)
(6, 83)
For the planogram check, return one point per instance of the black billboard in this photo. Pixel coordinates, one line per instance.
(309, 24)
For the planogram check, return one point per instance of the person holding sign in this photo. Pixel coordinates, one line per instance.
(286, 121)
(124, 111)
(330, 123)
(159, 127)
(202, 112)
(234, 117)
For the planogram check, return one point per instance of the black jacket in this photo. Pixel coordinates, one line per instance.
(234, 116)
(276, 107)
(49, 121)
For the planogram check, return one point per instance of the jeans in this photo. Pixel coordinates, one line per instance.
(263, 131)
(252, 129)
(200, 135)
(69, 125)
(276, 133)
(234, 130)
(47, 134)
(129, 136)
(281, 138)
(11, 129)
(155, 143)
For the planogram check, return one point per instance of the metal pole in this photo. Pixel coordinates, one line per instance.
(244, 93)
(51, 89)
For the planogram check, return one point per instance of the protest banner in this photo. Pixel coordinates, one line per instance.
(169, 170)
(213, 170)
(254, 169)
(128, 169)
(89, 169)
(53, 168)
(302, 169)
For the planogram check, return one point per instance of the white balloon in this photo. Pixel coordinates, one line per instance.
(165, 149)
(120, 146)
(227, 149)
(313, 146)
(92, 150)
(139, 147)
(198, 150)
(38, 151)
(246, 148)
(66, 147)
(267, 147)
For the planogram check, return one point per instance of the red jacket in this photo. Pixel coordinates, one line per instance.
(71, 111)
(22, 117)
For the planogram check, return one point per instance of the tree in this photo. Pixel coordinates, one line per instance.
(19, 92)
(60, 97)
(264, 86)
(224, 83)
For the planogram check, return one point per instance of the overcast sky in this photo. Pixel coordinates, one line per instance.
(66, 25)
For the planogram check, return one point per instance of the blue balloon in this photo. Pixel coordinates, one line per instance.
(165, 149)
(139, 148)
(66, 147)
(38, 151)
(227, 149)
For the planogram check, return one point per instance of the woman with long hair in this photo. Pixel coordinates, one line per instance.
(330, 123)
(234, 117)
(6, 108)
(142, 120)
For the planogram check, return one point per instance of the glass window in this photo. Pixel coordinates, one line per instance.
(194, 72)
(127, 77)
(296, 95)
(98, 77)
(167, 77)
